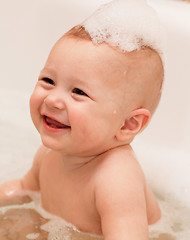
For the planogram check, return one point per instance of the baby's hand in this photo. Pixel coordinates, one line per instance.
(11, 193)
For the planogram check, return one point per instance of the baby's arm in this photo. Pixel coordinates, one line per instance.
(123, 212)
(121, 203)
(153, 209)
(11, 192)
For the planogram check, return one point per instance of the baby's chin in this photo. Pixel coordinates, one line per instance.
(52, 144)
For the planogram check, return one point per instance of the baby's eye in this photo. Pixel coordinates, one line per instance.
(79, 92)
(48, 80)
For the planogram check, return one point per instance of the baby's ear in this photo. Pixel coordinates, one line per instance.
(135, 123)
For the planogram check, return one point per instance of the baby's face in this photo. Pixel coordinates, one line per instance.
(77, 103)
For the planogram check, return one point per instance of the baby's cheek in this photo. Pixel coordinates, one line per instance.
(32, 100)
(80, 122)
(36, 99)
(34, 105)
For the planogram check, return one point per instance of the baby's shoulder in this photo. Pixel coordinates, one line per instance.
(119, 177)
(121, 163)
(41, 154)
(120, 157)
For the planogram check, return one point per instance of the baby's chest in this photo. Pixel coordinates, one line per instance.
(70, 199)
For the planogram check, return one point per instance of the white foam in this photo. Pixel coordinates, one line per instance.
(58, 228)
(128, 24)
(32, 236)
(174, 222)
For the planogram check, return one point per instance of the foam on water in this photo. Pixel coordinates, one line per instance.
(58, 228)
(174, 224)
(130, 25)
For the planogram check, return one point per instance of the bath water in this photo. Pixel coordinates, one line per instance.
(31, 221)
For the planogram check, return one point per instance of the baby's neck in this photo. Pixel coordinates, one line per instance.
(72, 163)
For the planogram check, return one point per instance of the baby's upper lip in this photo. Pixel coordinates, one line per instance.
(52, 120)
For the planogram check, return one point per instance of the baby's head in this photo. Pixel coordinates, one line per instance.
(96, 93)
(137, 75)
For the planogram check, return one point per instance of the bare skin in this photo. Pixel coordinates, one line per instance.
(88, 199)
(97, 182)
(86, 170)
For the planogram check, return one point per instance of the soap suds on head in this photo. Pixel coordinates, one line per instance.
(128, 24)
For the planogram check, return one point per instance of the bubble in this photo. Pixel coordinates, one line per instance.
(174, 224)
(130, 25)
(32, 236)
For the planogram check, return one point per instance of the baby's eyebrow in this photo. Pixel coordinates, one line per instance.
(84, 82)
(48, 70)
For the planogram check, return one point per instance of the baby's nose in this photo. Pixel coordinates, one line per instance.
(55, 100)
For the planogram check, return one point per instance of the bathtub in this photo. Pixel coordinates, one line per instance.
(28, 29)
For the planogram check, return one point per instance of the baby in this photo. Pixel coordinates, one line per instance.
(90, 101)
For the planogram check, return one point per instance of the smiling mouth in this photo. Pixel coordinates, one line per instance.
(54, 124)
